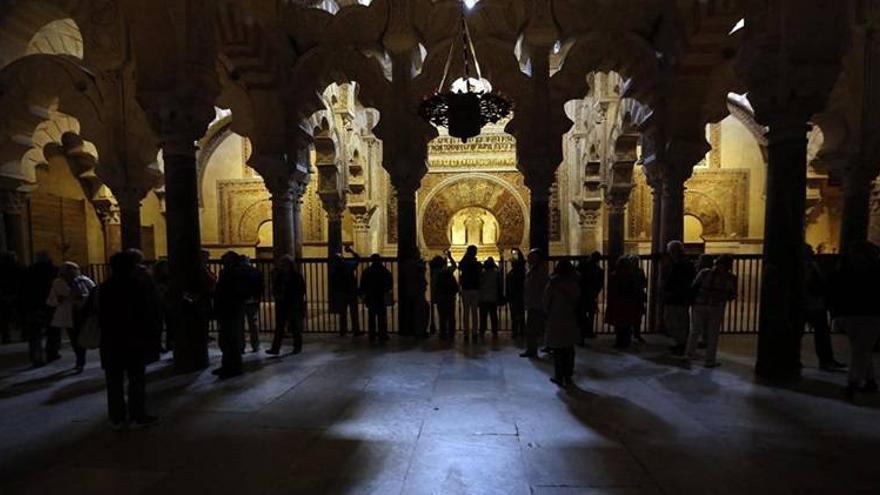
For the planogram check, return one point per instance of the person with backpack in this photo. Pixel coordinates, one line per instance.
(68, 296)
(713, 288)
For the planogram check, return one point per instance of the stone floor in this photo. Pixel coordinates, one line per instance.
(418, 417)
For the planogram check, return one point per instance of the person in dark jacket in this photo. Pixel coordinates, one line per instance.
(592, 280)
(253, 280)
(853, 298)
(562, 297)
(625, 301)
(344, 289)
(514, 289)
(469, 269)
(816, 312)
(127, 314)
(676, 280)
(289, 288)
(37, 283)
(490, 291)
(376, 289)
(444, 292)
(230, 295)
(11, 278)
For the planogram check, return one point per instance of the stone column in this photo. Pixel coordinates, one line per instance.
(129, 203)
(109, 215)
(856, 209)
(279, 177)
(539, 218)
(407, 244)
(184, 253)
(616, 209)
(4, 245)
(588, 218)
(781, 320)
(282, 221)
(334, 208)
(656, 220)
(299, 190)
(655, 309)
(362, 234)
(858, 181)
(13, 225)
(672, 210)
(407, 254)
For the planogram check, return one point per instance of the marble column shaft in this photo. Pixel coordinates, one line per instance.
(781, 320)
(616, 223)
(672, 211)
(13, 207)
(184, 256)
(283, 223)
(856, 216)
(539, 219)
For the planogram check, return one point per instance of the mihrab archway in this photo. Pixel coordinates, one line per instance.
(467, 191)
(706, 210)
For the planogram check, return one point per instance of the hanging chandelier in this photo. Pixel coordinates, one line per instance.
(469, 103)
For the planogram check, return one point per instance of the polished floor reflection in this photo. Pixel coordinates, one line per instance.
(422, 418)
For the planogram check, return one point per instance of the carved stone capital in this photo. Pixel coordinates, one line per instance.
(108, 212)
(334, 206)
(277, 174)
(129, 197)
(589, 213)
(362, 214)
(180, 124)
(616, 200)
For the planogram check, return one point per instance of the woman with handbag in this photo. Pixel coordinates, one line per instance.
(68, 295)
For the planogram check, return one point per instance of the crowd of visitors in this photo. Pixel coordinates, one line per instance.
(128, 315)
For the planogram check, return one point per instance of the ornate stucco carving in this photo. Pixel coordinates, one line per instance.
(454, 193)
(719, 198)
(244, 205)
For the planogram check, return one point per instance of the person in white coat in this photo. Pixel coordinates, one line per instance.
(67, 296)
